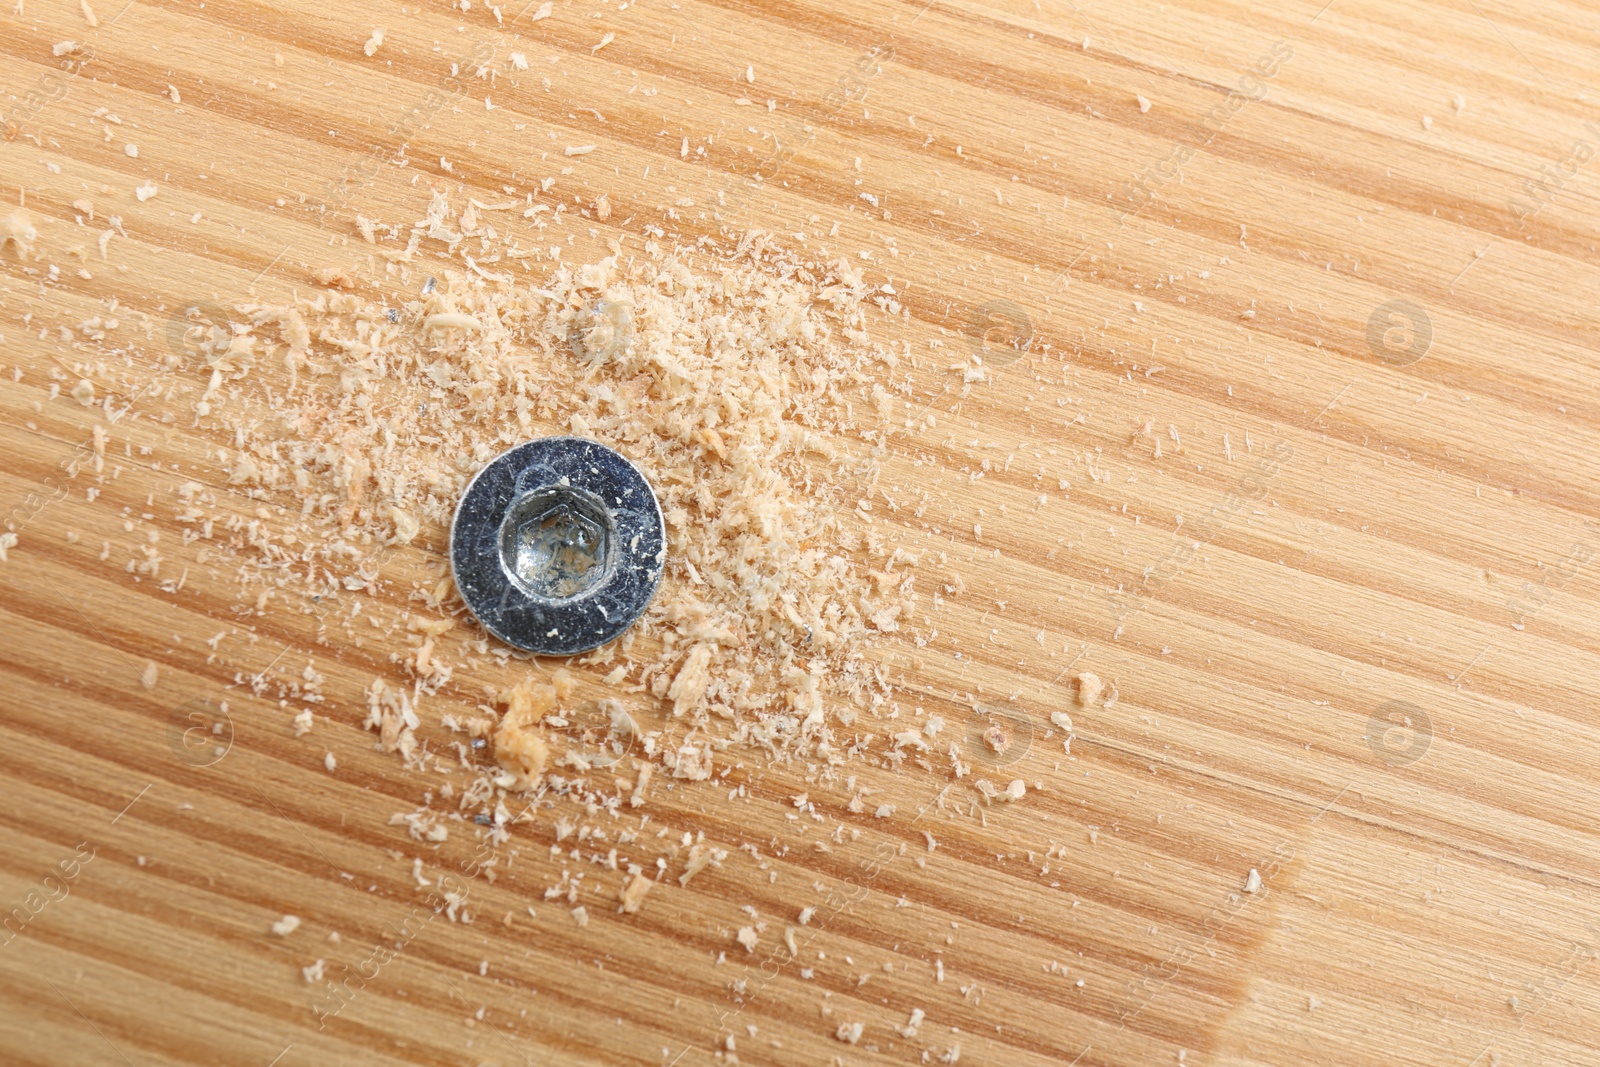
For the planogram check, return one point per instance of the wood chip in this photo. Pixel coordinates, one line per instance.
(1089, 687)
(17, 228)
(519, 743)
(700, 857)
(688, 688)
(633, 893)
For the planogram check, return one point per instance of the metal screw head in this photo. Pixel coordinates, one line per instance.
(558, 545)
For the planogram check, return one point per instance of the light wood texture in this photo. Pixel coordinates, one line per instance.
(1271, 533)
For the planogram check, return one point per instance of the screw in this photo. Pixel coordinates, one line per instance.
(558, 545)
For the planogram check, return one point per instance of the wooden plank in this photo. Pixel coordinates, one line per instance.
(1276, 528)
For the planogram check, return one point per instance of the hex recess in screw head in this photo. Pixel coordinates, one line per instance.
(558, 545)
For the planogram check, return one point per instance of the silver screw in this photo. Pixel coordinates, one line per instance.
(558, 545)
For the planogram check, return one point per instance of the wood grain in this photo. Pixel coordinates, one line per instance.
(1279, 523)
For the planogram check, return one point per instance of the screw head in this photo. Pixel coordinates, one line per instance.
(558, 545)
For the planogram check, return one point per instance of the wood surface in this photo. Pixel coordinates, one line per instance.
(1337, 563)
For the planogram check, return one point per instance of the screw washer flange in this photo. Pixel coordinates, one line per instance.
(577, 474)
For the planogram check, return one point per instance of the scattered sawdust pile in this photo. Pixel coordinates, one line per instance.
(727, 384)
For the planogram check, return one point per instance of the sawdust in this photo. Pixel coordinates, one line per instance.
(730, 379)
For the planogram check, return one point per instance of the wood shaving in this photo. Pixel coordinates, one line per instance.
(1062, 721)
(333, 278)
(519, 745)
(637, 797)
(688, 688)
(18, 229)
(1090, 688)
(633, 893)
(390, 712)
(700, 857)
